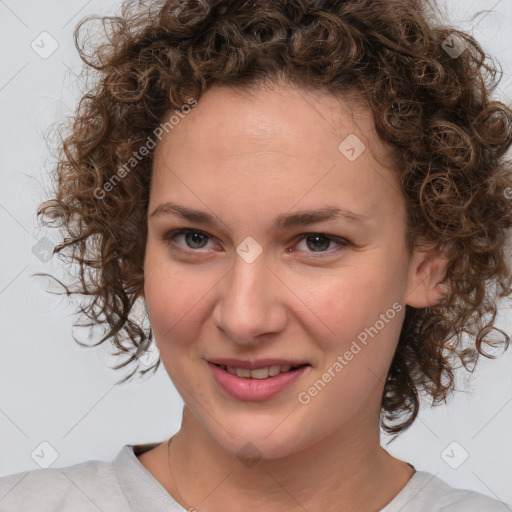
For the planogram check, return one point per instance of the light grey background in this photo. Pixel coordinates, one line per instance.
(56, 392)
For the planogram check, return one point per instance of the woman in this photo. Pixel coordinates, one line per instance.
(311, 200)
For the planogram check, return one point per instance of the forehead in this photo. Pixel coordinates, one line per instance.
(275, 118)
(276, 146)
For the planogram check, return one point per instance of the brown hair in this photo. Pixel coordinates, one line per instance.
(431, 104)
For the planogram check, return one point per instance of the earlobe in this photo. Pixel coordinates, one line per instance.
(427, 270)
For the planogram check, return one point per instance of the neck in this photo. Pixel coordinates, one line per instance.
(339, 467)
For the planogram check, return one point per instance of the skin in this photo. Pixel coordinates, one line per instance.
(247, 158)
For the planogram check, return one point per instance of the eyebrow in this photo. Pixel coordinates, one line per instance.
(301, 218)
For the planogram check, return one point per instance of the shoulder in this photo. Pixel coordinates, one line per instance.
(426, 492)
(90, 485)
(460, 500)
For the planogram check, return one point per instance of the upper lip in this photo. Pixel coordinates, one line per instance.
(255, 363)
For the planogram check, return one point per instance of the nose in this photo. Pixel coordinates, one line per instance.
(251, 302)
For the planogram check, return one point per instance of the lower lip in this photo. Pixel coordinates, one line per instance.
(255, 389)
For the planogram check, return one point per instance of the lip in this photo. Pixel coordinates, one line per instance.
(256, 363)
(255, 389)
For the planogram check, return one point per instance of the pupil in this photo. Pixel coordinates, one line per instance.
(316, 238)
(194, 241)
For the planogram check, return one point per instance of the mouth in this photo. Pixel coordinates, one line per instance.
(259, 382)
(265, 372)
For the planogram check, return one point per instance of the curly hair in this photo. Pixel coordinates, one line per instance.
(429, 87)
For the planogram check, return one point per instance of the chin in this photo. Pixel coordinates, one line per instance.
(252, 439)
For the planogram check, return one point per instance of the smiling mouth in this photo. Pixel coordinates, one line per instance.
(259, 373)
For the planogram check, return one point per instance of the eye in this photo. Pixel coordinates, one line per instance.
(319, 242)
(195, 240)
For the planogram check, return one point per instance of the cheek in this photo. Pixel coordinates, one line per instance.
(175, 296)
(361, 311)
(354, 298)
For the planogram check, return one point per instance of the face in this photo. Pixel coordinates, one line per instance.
(328, 293)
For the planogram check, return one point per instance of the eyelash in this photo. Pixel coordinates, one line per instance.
(171, 236)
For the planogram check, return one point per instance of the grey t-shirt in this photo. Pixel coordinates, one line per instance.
(124, 485)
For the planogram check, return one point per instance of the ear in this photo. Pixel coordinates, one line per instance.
(427, 268)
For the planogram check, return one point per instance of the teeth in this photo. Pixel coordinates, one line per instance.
(243, 372)
(274, 370)
(259, 373)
